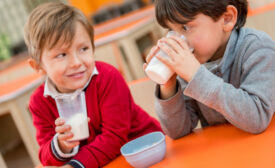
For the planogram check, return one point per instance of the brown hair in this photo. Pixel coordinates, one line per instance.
(171, 10)
(51, 22)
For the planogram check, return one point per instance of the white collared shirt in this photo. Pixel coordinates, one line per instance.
(50, 89)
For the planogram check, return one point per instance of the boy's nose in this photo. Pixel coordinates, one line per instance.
(75, 61)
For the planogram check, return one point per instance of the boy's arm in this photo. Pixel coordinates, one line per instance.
(178, 114)
(249, 107)
(45, 131)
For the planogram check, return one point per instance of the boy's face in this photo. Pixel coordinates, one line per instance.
(69, 67)
(205, 35)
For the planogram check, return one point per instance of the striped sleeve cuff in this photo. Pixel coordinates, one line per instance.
(58, 153)
(75, 164)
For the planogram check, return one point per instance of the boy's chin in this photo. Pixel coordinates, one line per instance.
(78, 87)
(70, 89)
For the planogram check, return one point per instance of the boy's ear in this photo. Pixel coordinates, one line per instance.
(35, 66)
(229, 18)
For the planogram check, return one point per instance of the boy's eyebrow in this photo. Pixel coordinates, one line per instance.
(180, 19)
(60, 48)
(184, 22)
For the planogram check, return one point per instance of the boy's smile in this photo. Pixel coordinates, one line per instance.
(69, 65)
(77, 75)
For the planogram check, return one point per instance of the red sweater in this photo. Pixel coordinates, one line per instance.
(115, 119)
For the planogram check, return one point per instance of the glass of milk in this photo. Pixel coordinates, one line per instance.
(72, 108)
(156, 70)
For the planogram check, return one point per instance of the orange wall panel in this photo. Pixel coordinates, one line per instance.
(90, 6)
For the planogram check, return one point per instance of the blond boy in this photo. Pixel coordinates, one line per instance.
(60, 44)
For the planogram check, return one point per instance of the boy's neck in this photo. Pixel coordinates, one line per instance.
(220, 52)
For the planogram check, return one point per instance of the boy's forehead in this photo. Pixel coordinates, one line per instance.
(64, 39)
(60, 45)
(59, 41)
(179, 19)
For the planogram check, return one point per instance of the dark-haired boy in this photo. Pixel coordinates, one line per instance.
(229, 77)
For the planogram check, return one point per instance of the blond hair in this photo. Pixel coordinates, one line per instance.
(51, 22)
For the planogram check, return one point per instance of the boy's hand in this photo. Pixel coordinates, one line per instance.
(181, 60)
(64, 134)
(168, 89)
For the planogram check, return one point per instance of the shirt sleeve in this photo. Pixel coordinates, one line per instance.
(178, 115)
(57, 151)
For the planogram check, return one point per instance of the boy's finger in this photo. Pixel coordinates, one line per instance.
(181, 42)
(152, 52)
(173, 44)
(65, 136)
(62, 129)
(169, 51)
(89, 119)
(59, 121)
(165, 60)
(71, 144)
(144, 66)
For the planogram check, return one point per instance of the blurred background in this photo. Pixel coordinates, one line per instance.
(125, 31)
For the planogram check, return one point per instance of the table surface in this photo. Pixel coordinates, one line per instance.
(14, 95)
(215, 147)
(11, 89)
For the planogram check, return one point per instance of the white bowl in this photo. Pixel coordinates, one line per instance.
(145, 151)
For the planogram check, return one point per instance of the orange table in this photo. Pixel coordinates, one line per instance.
(215, 147)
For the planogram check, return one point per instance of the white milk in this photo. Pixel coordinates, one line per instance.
(79, 127)
(157, 71)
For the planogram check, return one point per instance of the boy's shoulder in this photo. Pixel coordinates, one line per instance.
(250, 35)
(106, 70)
(251, 40)
(37, 96)
(39, 92)
(104, 66)
(254, 45)
(107, 76)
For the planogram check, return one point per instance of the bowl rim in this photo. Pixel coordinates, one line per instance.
(147, 148)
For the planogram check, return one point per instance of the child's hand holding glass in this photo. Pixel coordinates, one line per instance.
(181, 58)
(178, 59)
(170, 85)
(64, 134)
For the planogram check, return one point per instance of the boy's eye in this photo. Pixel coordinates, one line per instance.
(84, 49)
(185, 27)
(61, 55)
